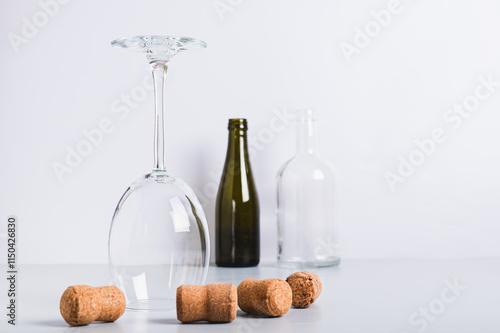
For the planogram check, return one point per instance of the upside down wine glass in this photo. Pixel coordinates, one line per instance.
(159, 234)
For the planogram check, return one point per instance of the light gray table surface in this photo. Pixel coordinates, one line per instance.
(387, 296)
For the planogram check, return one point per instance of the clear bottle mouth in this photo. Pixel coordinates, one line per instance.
(305, 115)
(237, 123)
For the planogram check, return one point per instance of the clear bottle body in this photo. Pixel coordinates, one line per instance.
(307, 230)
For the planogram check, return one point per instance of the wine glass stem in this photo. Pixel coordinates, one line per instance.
(159, 69)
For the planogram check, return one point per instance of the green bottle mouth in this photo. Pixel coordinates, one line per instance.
(237, 123)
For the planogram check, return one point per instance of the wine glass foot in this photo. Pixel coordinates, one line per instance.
(157, 47)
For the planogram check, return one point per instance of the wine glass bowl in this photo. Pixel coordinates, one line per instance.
(159, 237)
(157, 241)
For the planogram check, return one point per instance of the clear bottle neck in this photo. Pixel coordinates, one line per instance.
(306, 132)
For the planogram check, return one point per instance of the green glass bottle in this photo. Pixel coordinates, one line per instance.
(237, 207)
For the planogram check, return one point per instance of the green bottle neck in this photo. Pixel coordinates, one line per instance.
(237, 169)
(237, 150)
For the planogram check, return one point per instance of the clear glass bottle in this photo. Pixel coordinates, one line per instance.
(307, 233)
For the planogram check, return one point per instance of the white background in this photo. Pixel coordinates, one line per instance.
(263, 58)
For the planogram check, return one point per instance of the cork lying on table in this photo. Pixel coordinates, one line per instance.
(306, 288)
(215, 302)
(270, 297)
(81, 304)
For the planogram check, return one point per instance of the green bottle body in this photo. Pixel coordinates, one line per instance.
(237, 208)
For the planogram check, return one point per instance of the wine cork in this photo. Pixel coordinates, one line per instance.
(306, 288)
(270, 297)
(81, 304)
(215, 302)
